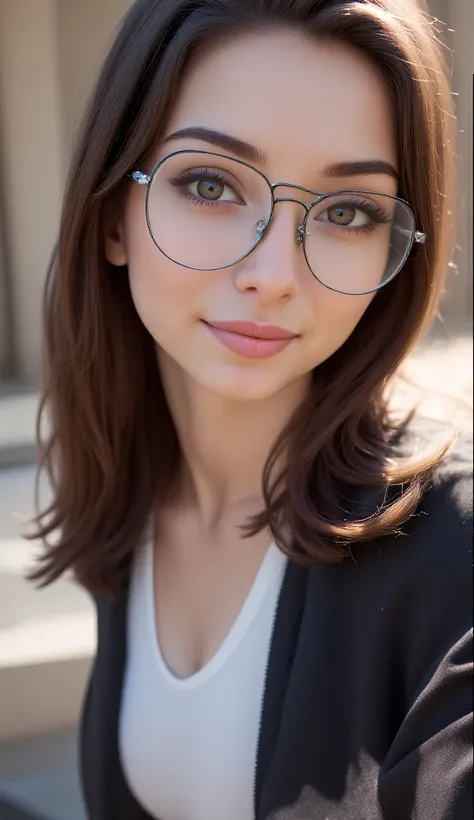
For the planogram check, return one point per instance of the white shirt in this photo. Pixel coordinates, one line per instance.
(189, 747)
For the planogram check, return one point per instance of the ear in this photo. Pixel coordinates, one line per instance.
(115, 245)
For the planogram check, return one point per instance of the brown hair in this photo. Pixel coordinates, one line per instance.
(112, 450)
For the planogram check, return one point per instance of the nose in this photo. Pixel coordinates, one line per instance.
(274, 268)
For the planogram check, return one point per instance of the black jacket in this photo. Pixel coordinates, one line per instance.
(368, 704)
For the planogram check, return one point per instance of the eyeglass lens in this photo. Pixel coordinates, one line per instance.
(207, 212)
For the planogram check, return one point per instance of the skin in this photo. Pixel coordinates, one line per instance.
(306, 105)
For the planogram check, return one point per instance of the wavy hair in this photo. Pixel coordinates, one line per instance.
(111, 451)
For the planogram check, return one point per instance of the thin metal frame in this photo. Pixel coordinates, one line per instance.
(147, 179)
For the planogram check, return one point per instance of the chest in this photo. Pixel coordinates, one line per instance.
(328, 696)
(189, 745)
(199, 589)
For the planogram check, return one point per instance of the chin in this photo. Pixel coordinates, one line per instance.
(241, 385)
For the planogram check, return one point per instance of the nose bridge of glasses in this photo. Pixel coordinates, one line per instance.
(305, 201)
(262, 226)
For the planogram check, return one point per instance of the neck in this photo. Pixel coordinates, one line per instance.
(225, 443)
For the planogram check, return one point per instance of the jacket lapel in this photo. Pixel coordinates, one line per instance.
(282, 653)
(106, 791)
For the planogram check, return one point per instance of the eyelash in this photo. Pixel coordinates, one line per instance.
(378, 216)
(201, 175)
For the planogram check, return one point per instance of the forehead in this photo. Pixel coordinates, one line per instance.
(296, 99)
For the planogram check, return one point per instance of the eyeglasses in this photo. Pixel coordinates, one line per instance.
(207, 211)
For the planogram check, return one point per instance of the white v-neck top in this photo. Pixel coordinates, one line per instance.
(188, 747)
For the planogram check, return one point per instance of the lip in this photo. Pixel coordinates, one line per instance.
(240, 338)
(255, 331)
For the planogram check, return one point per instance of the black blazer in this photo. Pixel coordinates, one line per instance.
(367, 713)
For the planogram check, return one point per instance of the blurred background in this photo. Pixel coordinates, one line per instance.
(50, 52)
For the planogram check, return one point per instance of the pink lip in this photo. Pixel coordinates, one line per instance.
(251, 340)
(254, 330)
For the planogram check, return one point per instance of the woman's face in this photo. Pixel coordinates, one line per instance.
(303, 106)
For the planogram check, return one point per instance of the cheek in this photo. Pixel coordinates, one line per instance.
(335, 316)
(163, 295)
(161, 290)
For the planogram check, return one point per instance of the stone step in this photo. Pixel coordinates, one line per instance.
(39, 778)
(47, 641)
(8, 811)
(18, 411)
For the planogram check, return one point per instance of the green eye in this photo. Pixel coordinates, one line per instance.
(210, 189)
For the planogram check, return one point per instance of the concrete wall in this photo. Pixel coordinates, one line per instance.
(31, 160)
(6, 325)
(86, 29)
(50, 53)
(461, 20)
(457, 32)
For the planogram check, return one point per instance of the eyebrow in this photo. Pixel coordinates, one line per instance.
(250, 153)
(241, 149)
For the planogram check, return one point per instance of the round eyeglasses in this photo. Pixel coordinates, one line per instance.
(207, 211)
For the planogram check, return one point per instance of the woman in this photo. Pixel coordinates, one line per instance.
(254, 236)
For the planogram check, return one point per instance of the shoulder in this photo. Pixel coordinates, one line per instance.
(438, 548)
(426, 571)
(421, 576)
(444, 515)
(435, 544)
(440, 530)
